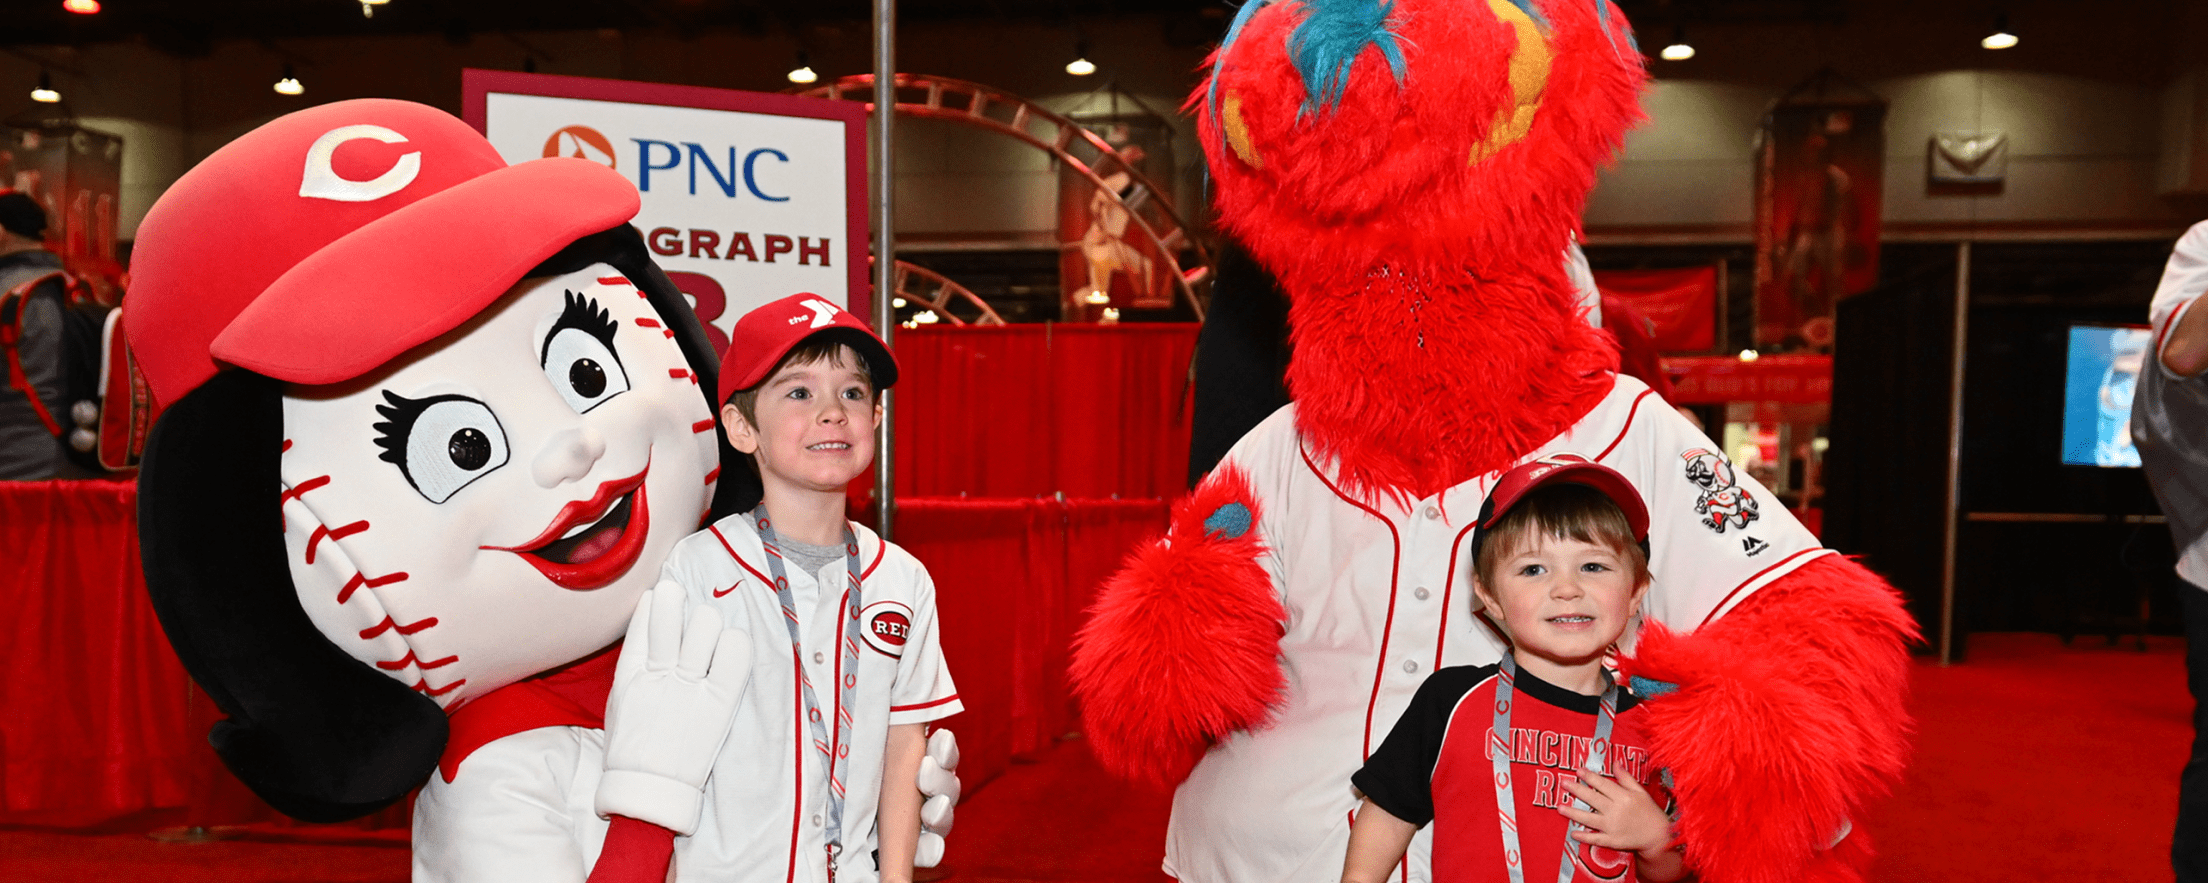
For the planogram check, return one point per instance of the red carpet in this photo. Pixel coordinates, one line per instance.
(2034, 762)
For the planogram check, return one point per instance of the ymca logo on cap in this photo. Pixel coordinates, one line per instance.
(886, 626)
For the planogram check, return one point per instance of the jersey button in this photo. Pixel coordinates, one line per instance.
(1433, 512)
(1421, 594)
(819, 656)
(816, 821)
(1410, 665)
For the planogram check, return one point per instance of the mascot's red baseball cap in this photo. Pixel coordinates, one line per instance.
(1524, 478)
(323, 244)
(764, 335)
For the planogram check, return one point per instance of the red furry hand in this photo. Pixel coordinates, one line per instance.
(1788, 716)
(1180, 649)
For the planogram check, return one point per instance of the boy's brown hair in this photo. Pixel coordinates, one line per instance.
(817, 348)
(1561, 511)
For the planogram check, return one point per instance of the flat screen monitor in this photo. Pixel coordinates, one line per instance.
(2104, 364)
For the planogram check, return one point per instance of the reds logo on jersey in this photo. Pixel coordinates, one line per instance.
(886, 626)
(1722, 501)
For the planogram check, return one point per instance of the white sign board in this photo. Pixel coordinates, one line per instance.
(747, 197)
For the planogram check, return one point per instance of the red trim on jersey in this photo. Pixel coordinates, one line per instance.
(570, 696)
(798, 743)
(1629, 415)
(881, 548)
(1395, 569)
(633, 852)
(739, 559)
(1721, 602)
(897, 708)
(1449, 585)
(2176, 315)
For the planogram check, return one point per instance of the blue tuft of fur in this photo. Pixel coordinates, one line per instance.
(1332, 35)
(1234, 32)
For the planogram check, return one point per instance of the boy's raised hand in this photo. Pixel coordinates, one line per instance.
(1621, 814)
(675, 690)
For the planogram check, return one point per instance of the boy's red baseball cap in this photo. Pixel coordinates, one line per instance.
(329, 241)
(1550, 469)
(763, 336)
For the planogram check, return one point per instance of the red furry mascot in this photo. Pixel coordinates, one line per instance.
(1410, 171)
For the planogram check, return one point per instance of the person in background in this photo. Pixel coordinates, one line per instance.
(29, 451)
(2169, 422)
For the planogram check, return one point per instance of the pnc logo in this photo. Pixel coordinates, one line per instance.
(886, 626)
(581, 142)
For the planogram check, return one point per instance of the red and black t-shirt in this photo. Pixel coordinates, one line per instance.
(1434, 767)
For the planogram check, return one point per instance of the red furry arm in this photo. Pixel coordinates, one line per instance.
(1787, 718)
(1181, 646)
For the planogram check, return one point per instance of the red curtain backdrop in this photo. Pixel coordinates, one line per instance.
(1013, 581)
(94, 707)
(1680, 304)
(1038, 410)
(99, 722)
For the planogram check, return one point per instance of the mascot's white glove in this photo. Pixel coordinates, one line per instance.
(938, 782)
(674, 699)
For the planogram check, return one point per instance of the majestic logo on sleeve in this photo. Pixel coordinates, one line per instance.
(1723, 501)
(886, 626)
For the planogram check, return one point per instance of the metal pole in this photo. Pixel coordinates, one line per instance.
(1954, 454)
(885, 254)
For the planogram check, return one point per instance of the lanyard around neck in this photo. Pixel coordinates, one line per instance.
(832, 748)
(1499, 747)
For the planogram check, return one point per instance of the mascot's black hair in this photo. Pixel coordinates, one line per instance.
(321, 736)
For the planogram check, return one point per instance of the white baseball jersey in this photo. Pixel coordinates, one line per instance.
(518, 808)
(765, 810)
(2168, 410)
(1379, 595)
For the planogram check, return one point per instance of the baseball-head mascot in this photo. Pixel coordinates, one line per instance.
(1410, 171)
(431, 424)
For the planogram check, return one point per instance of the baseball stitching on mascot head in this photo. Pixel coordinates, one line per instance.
(432, 423)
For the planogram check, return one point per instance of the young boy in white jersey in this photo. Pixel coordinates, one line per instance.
(1495, 756)
(846, 670)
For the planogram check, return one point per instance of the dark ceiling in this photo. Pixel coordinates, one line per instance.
(192, 27)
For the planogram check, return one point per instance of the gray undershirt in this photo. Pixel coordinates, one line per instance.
(810, 557)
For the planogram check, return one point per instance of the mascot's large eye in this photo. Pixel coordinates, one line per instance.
(579, 357)
(440, 444)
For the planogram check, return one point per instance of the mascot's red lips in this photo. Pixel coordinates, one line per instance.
(592, 542)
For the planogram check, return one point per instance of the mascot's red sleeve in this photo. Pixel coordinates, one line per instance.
(1787, 715)
(1181, 649)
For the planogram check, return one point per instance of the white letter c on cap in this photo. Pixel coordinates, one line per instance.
(322, 182)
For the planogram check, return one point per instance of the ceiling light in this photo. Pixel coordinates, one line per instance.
(289, 83)
(2000, 38)
(803, 74)
(368, 7)
(45, 93)
(1750, 355)
(1080, 66)
(81, 7)
(1679, 50)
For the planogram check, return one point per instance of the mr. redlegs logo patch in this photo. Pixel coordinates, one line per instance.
(886, 625)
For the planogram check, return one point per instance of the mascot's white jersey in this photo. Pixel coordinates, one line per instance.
(1378, 596)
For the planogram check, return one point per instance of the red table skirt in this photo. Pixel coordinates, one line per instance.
(98, 721)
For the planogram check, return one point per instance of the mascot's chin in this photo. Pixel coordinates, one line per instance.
(1412, 172)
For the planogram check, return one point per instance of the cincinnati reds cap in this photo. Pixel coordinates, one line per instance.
(1523, 478)
(764, 335)
(323, 244)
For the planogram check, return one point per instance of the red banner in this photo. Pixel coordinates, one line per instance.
(1712, 380)
(1681, 304)
(1818, 192)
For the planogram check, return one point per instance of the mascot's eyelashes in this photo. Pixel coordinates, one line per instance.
(441, 443)
(579, 357)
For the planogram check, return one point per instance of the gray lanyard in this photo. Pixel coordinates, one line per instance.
(848, 635)
(1506, 803)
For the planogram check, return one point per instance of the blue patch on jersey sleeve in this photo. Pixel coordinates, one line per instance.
(1230, 521)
